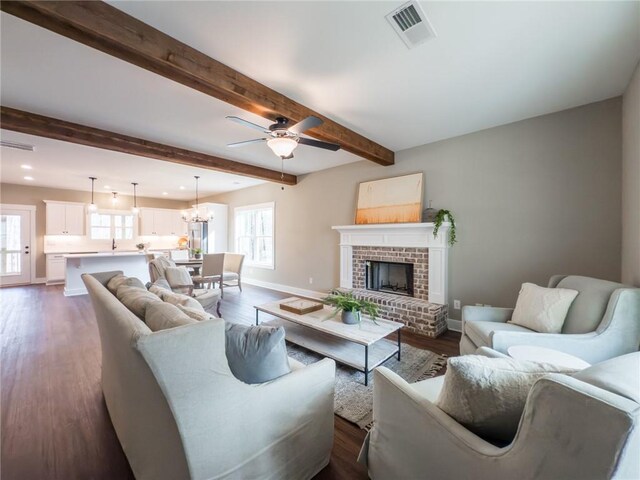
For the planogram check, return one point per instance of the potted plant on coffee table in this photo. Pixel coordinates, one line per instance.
(197, 253)
(351, 307)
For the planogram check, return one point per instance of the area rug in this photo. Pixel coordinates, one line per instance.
(354, 400)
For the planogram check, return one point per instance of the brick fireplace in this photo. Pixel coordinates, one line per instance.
(420, 306)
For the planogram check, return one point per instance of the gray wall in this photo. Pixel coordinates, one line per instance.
(533, 198)
(631, 182)
(28, 195)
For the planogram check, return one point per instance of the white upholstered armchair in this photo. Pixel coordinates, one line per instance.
(603, 322)
(581, 427)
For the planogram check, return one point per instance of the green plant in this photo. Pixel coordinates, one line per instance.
(196, 251)
(440, 217)
(346, 301)
(140, 246)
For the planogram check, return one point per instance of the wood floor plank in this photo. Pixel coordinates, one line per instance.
(55, 424)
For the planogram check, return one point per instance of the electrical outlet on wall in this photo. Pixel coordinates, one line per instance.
(456, 304)
(310, 280)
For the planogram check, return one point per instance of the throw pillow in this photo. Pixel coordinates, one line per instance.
(178, 278)
(115, 281)
(487, 395)
(136, 299)
(176, 298)
(196, 313)
(256, 354)
(542, 309)
(162, 283)
(134, 282)
(161, 315)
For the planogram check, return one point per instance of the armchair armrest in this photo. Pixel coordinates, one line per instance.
(475, 313)
(228, 427)
(586, 346)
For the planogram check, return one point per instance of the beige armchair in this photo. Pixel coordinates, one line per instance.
(584, 426)
(233, 270)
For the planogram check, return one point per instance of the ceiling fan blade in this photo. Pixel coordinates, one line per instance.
(246, 142)
(246, 123)
(306, 124)
(317, 143)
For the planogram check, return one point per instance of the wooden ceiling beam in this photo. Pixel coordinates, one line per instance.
(34, 124)
(105, 28)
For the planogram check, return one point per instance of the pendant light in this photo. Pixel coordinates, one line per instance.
(92, 206)
(114, 200)
(194, 215)
(135, 210)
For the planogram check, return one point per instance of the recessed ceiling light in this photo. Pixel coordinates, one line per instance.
(181, 187)
(26, 167)
(28, 178)
(107, 187)
(165, 193)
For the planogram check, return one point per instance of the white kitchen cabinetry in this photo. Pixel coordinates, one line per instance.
(65, 218)
(160, 221)
(56, 268)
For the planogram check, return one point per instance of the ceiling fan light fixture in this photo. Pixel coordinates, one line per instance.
(282, 146)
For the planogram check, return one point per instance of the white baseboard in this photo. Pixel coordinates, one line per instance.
(75, 291)
(455, 325)
(39, 280)
(285, 288)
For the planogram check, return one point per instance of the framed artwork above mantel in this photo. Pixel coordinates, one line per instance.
(390, 200)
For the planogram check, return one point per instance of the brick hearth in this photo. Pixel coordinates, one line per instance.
(415, 312)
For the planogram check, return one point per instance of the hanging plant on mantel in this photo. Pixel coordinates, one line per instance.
(437, 223)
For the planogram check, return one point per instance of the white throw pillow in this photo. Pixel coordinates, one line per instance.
(487, 395)
(542, 309)
(178, 277)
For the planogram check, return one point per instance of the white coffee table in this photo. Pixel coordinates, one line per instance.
(327, 335)
(547, 355)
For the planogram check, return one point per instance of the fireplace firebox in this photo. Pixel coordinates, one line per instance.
(390, 277)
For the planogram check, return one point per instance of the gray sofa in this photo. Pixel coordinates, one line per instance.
(585, 426)
(179, 412)
(603, 322)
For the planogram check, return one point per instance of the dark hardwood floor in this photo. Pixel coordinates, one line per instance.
(54, 421)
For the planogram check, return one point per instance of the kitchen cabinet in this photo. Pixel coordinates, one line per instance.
(159, 221)
(56, 268)
(65, 218)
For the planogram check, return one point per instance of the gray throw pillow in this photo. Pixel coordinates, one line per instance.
(256, 354)
(161, 315)
(115, 281)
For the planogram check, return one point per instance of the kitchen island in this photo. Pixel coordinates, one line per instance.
(132, 264)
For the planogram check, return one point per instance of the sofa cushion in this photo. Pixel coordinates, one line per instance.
(542, 309)
(480, 332)
(588, 308)
(161, 315)
(136, 299)
(487, 395)
(429, 388)
(620, 375)
(195, 313)
(162, 283)
(256, 354)
(175, 298)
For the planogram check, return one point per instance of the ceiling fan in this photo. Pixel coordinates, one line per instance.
(282, 139)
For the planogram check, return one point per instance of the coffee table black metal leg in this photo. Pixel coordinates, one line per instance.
(366, 365)
(399, 345)
(257, 312)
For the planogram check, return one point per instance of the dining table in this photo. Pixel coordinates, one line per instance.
(193, 263)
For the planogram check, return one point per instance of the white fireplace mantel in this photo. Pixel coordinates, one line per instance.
(414, 235)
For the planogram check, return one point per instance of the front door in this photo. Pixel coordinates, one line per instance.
(15, 243)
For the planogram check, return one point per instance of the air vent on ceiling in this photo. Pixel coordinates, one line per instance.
(17, 146)
(411, 24)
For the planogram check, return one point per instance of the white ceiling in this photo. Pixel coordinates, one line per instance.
(66, 165)
(492, 63)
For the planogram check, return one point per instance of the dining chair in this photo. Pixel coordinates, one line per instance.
(233, 270)
(212, 271)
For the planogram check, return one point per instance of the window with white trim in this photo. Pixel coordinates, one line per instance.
(254, 227)
(105, 226)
